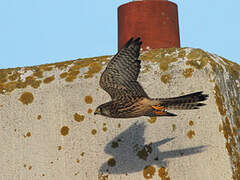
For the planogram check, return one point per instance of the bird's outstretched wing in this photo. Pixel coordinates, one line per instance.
(120, 76)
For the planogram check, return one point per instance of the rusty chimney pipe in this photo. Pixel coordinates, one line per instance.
(155, 21)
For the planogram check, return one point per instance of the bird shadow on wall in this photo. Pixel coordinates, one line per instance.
(130, 153)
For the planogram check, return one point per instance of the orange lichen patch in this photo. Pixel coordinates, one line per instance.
(94, 68)
(114, 144)
(166, 78)
(49, 79)
(90, 111)
(163, 173)
(102, 177)
(88, 99)
(64, 130)
(219, 98)
(188, 72)
(30, 167)
(26, 98)
(39, 117)
(190, 134)
(28, 134)
(148, 172)
(78, 161)
(59, 148)
(152, 119)
(78, 117)
(63, 75)
(111, 162)
(191, 123)
(94, 131)
(72, 74)
(174, 127)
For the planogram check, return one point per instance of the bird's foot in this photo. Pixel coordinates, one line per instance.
(159, 108)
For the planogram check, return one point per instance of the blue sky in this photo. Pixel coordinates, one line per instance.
(36, 32)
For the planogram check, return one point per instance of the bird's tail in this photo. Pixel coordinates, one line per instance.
(189, 101)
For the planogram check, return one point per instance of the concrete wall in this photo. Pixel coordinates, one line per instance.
(48, 130)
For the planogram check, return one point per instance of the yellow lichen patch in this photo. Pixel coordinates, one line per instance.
(165, 78)
(30, 167)
(3, 77)
(64, 130)
(39, 117)
(26, 98)
(24, 165)
(104, 129)
(191, 123)
(188, 72)
(144, 152)
(89, 111)
(94, 131)
(59, 148)
(146, 68)
(148, 172)
(174, 127)
(232, 68)
(14, 76)
(78, 161)
(49, 79)
(78, 117)
(219, 98)
(94, 68)
(63, 75)
(197, 58)
(88, 99)
(164, 56)
(38, 73)
(111, 162)
(102, 177)
(152, 119)
(181, 53)
(190, 134)
(165, 62)
(35, 84)
(119, 125)
(163, 173)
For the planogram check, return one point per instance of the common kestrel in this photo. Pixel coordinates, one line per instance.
(129, 99)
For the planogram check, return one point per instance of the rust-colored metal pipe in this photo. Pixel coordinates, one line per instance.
(155, 21)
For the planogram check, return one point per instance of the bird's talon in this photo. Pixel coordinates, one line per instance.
(160, 108)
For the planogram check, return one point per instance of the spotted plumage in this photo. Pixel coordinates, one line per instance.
(129, 99)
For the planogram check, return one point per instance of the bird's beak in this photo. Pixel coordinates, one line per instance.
(97, 111)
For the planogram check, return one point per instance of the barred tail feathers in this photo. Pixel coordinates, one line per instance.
(189, 101)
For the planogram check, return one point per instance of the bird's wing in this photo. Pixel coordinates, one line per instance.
(120, 76)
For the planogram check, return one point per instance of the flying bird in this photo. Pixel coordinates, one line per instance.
(129, 99)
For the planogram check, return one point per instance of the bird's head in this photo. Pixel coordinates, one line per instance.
(103, 109)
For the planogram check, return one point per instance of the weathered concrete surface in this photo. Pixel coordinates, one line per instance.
(48, 130)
